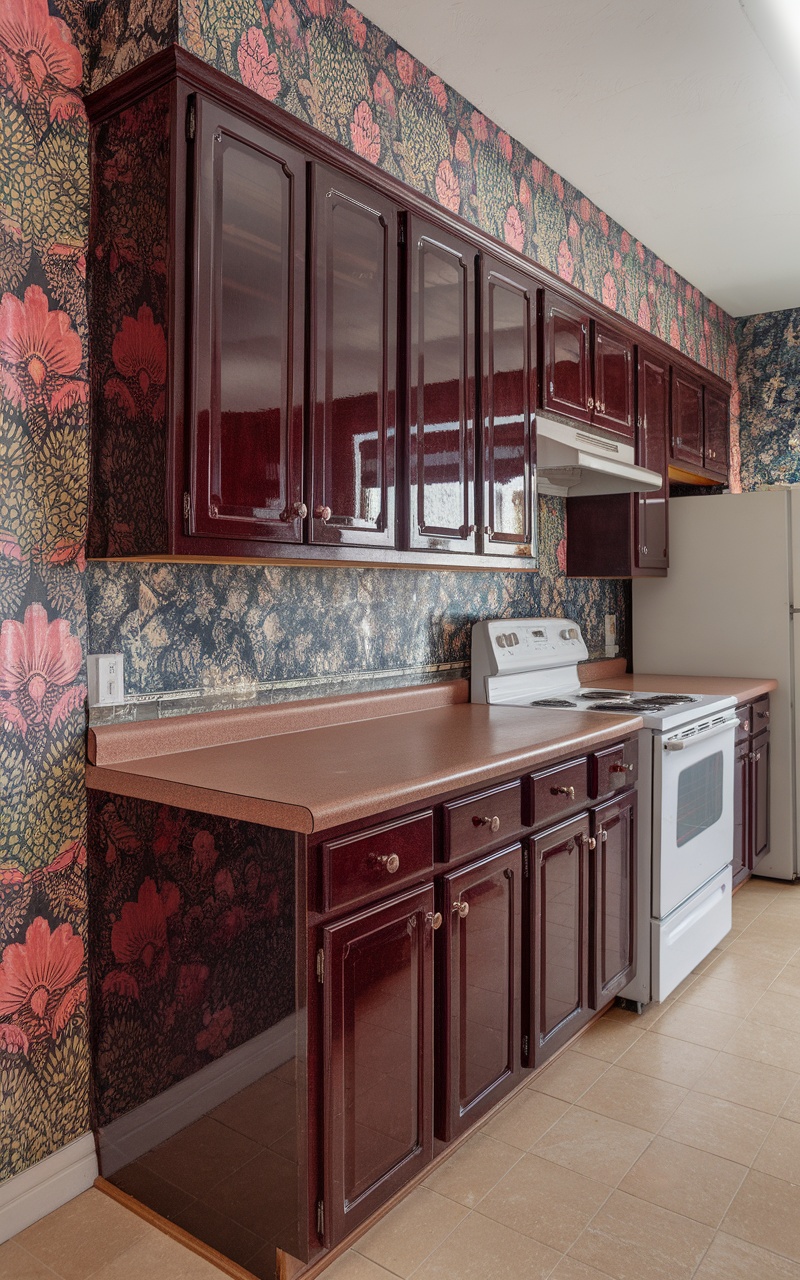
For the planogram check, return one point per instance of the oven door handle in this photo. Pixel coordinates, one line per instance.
(678, 744)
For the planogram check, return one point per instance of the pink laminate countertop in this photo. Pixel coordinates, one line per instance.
(742, 688)
(332, 774)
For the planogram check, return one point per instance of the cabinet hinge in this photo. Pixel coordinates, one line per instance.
(401, 233)
(187, 511)
(320, 1220)
(191, 120)
(320, 965)
(526, 863)
(525, 1046)
(552, 388)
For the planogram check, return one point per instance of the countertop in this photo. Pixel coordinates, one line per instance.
(742, 688)
(326, 775)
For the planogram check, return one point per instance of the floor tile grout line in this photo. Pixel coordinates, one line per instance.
(13, 1240)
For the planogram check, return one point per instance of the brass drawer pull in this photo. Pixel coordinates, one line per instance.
(492, 823)
(462, 908)
(621, 768)
(434, 919)
(592, 842)
(389, 861)
(323, 513)
(563, 791)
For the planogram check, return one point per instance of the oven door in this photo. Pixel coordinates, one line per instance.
(692, 808)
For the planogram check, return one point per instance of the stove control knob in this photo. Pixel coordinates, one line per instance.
(569, 633)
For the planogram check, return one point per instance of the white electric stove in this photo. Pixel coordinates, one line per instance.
(686, 778)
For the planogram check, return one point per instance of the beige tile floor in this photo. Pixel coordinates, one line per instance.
(656, 1148)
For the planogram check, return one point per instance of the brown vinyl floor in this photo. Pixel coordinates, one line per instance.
(664, 1147)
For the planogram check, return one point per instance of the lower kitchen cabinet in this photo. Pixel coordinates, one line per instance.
(613, 898)
(751, 840)
(759, 764)
(558, 938)
(378, 1056)
(479, 1023)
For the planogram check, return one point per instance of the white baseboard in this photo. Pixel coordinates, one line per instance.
(28, 1196)
(159, 1118)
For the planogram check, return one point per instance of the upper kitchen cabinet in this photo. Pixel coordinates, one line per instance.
(508, 345)
(245, 419)
(441, 390)
(353, 323)
(612, 382)
(686, 418)
(566, 384)
(716, 410)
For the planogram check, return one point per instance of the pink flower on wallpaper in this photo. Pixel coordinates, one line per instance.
(365, 134)
(139, 937)
(573, 230)
(505, 147)
(640, 250)
(205, 852)
(285, 23)
(139, 352)
(118, 982)
(13, 1039)
(321, 8)
(68, 1007)
(603, 220)
(697, 297)
(62, 551)
(356, 26)
(513, 230)
(448, 190)
(643, 316)
(659, 269)
(40, 353)
(72, 854)
(9, 547)
(585, 210)
(37, 977)
(257, 65)
(538, 171)
(679, 305)
(438, 92)
(406, 66)
(625, 242)
(703, 351)
(566, 262)
(674, 334)
(609, 291)
(383, 93)
(190, 989)
(561, 555)
(558, 185)
(39, 661)
(37, 57)
(462, 152)
(687, 288)
(525, 197)
(480, 127)
(712, 310)
(216, 1033)
(617, 260)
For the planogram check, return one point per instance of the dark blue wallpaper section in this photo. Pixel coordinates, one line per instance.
(769, 384)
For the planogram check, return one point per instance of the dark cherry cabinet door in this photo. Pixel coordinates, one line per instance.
(353, 330)
(759, 790)
(612, 365)
(508, 318)
(741, 812)
(378, 1056)
(652, 421)
(716, 410)
(686, 418)
(246, 414)
(566, 385)
(441, 392)
(557, 967)
(479, 1031)
(613, 898)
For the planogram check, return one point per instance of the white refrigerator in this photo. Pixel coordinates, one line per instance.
(730, 606)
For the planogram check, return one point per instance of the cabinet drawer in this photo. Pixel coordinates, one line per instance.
(554, 793)
(613, 769)
(760, 720)
(481, 821)
(382, 857)
(744, 714)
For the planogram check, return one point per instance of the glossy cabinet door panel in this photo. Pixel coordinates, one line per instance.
(353, 328)
(441, 398)
(558, 963)
(686, 418)
(508, 316)
(613, 381)
(613, 898)
(479, 1027)
(741, 812)
(650, 524)
(246, 415)
(378, 1047)
(716, 410)
(759, 763)
(566, 385)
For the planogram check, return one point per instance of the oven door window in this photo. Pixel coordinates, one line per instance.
(700, 796)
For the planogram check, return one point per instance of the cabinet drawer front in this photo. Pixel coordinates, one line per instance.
(554, 793)
(760, 718)
(744, 715)
(375, 860)
(482, 821)
(614, 769)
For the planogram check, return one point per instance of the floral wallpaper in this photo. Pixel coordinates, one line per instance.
(192, 927)
(769, 382)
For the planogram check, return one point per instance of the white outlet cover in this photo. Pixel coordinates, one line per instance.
(106, 679)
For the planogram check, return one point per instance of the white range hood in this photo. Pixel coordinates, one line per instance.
(574, 462)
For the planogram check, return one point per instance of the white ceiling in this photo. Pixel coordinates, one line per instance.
(669, 114)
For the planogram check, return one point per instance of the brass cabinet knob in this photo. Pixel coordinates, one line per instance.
(434, 919)
(462, 908)
(592, 842)
(323, 513)
(603, 835)
(590, 403)
(763, 715)
(299, 511)
(747, 726)
(492, 823)
(563, 791)
(389, 861)
(621, 768)
(488, 530)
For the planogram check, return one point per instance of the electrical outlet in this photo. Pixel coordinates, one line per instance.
(106, 679)
(611, 635)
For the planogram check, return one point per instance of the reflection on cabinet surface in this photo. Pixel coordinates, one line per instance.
(612, 381)
(566, 378)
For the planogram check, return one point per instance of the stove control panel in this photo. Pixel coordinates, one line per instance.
(504, 646)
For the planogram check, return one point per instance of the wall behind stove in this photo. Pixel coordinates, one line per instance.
(769, 383)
